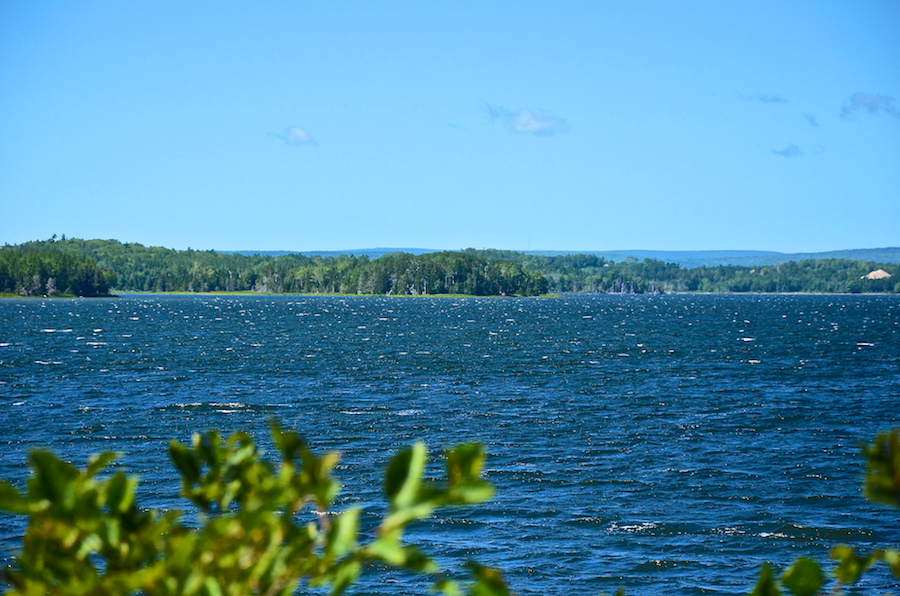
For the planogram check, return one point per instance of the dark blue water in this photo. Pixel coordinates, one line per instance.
(668, 444)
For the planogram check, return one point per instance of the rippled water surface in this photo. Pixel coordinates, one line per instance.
(668, 444)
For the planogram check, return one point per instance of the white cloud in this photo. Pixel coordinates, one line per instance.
(296, 136)
(870, 104)
(536, 122)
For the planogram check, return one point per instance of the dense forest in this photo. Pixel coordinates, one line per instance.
(92, 267)
(141, 268)
(585, 273)
(51, 272)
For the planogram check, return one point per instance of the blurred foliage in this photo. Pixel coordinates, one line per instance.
(882, 485)
(87, 535)
(262, 529)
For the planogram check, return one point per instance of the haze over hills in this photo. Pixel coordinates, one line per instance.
(684, 258)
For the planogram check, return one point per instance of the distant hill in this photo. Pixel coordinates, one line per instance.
(684, 258)
(372, 253)
(747, 258)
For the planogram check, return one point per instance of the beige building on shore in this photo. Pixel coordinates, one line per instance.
(877, 274)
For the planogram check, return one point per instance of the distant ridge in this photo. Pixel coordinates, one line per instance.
(878, 255)
(747, 258)
(372, 253)
(684, 258)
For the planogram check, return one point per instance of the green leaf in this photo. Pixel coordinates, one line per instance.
(765, 585)
(804, 577)
(418, 561)
(53, 479)
(120, 492)
(387, 549)
(100, 461)
(488, 581)
(186, 462)
(11, 500)
(850, 565)
(892, 558)
(447, 587)
(404, 475)
(88, 545)
(290, 444)
(318, 469)
(342, 534)
(209, 448)
(464, 466)
(473, 492)
(212, 587)
(344, 576)
(882, 484)
(111, 531)
(464, 463)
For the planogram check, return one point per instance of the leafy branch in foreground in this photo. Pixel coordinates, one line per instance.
(87, 535)
(882, 485)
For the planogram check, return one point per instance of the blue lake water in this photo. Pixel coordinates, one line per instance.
(667, 444)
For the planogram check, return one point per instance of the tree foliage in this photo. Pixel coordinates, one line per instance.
(262, 529)
(594, 274)
(51, 272)
(156, 269)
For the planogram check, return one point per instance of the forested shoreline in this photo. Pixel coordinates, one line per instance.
(154, 269)
(586, 273)
(51, 272)
(94, 267)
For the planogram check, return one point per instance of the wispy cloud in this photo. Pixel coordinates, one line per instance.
(765, 98)
(812, 120)
(296, 136)
(536, 122)
(789, 151)
(868, 103)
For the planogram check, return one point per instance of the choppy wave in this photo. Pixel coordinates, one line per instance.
(669, 444)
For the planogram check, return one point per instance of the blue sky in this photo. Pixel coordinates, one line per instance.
(520, 125)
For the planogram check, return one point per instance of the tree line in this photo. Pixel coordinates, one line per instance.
(50, 272)
(156, 269)
(92, 267)
(586, 273)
